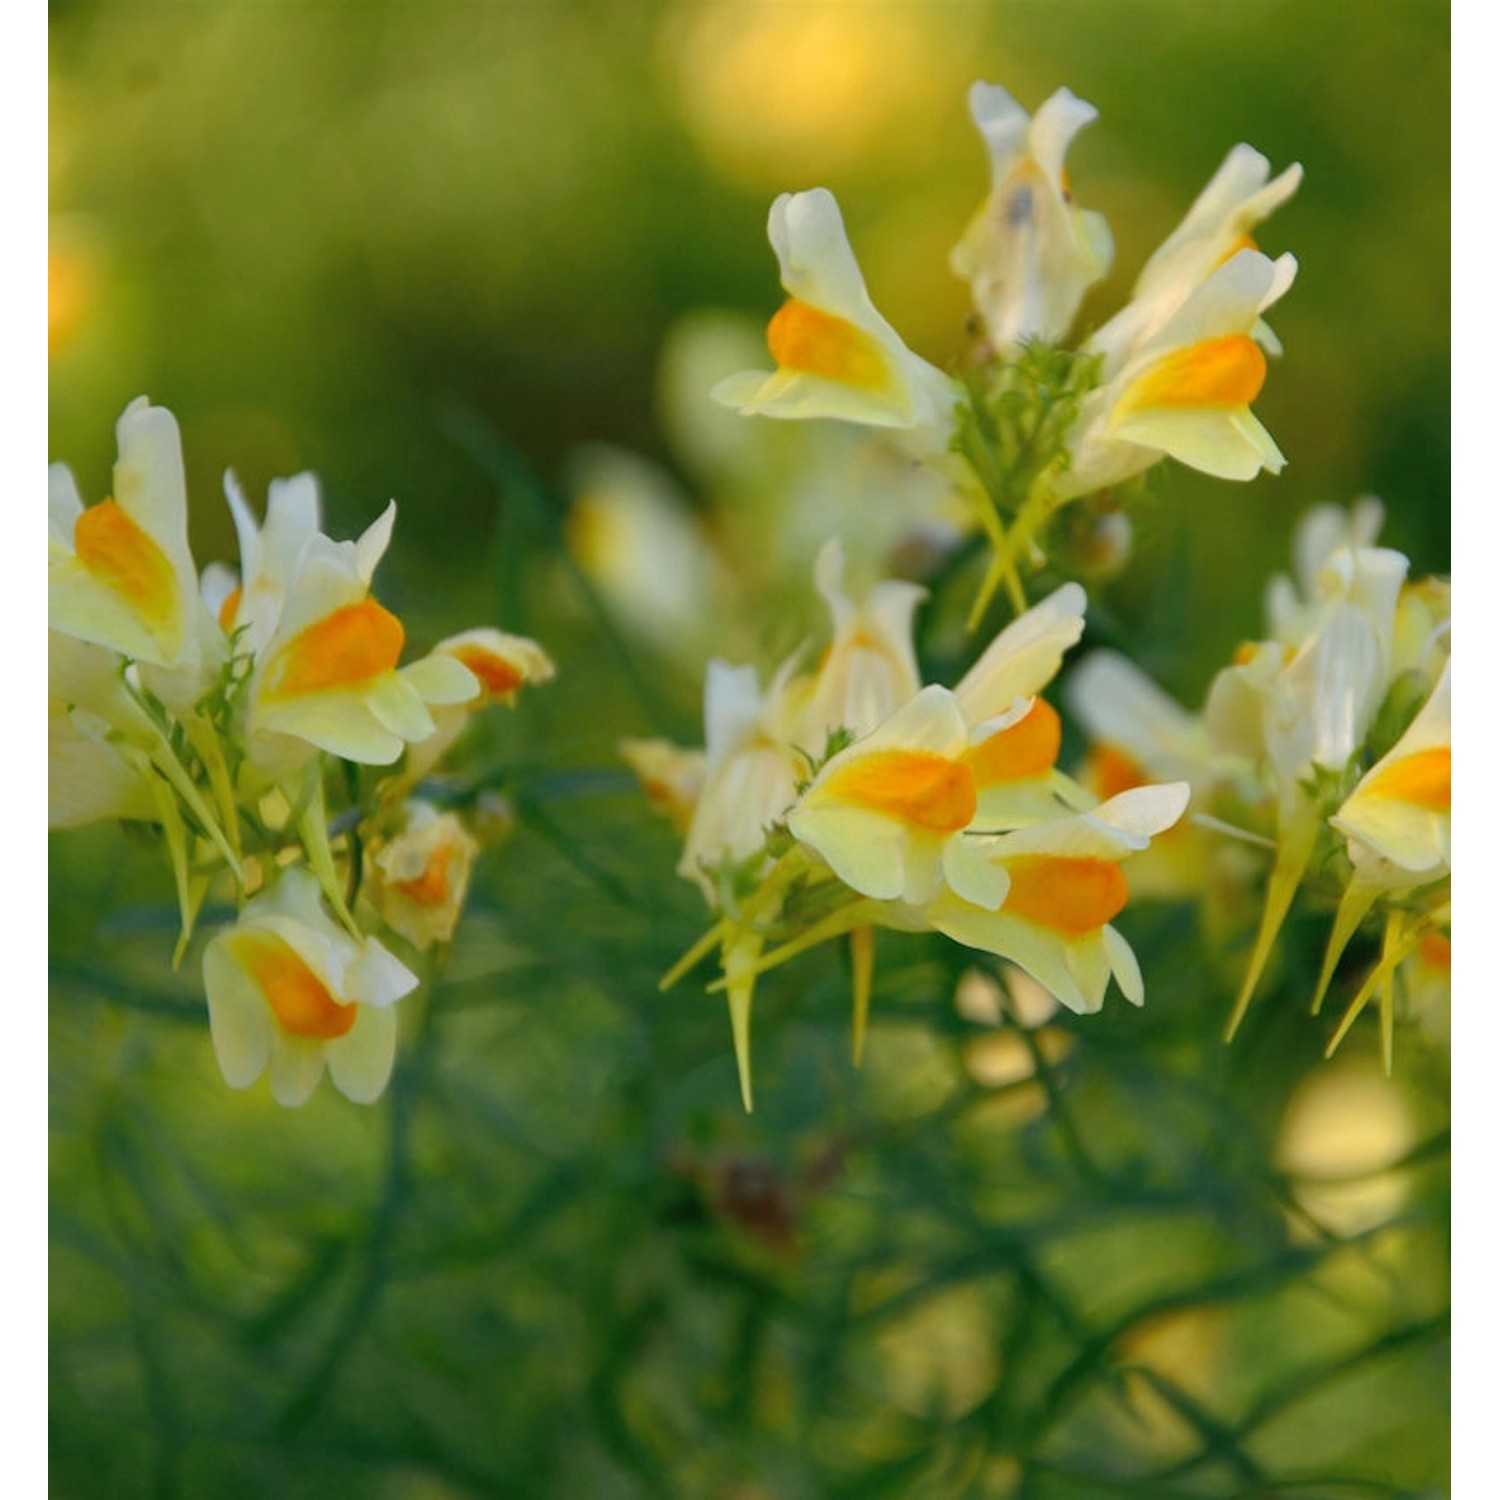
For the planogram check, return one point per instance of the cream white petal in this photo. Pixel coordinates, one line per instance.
(731, 708)
(150, 485)
(818, 267)
(1126, 967)
(1227, 442)
(240, 1024)
(972, 875)
(397, 706)
(439, 678)
(868, 852)
(371, 546)
(376, 977)
(1024, 657)
(296, 1068)
(360, 1061)
(1144, 811)
(334, 722)
(64, 504)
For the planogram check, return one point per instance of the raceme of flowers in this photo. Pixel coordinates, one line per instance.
(1327, 746)
(923, 809)
(1032, 423)
(262, 724)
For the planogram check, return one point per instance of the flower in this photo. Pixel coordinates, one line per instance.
(88, 778)
(870, 669)
(671, 777)
(1029, 254)
(270, 555)
(291, 992)
(327, 676)
(1399, 818)
(836, 356)
(889, 813)
(501, 663)
(750, 771)
(119, 573)
(1216, 227)
(1185, 391)
(422, 875)
(1061, 884)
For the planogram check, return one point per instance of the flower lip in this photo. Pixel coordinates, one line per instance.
(916, 787)
(123, 556)
(345, 648)
(300, 1001)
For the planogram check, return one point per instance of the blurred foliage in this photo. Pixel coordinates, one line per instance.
(430, 251)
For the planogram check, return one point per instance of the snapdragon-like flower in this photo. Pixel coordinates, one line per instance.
(870, 668)
(836, 356)
(211, 708)
(1062, 887)
(270, 556)
(290, 992)
(1030, 254)
(421, 875)
(1185, 391)
(1399, 817)
(907, 822)
(1218, 226)
(889, 813)
(500, 662)
(750, 771)
(119, 573)
(328, 676)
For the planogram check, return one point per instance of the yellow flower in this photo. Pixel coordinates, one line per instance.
(836, 356)
(290, 992)
(422, 875)
(502, 664)
(1217, 227)
(120, 574)
(88, 777)
(750, 771)
(671, 777)
(1185, 391)
(889, 813)
(1030, 254)
(1399, 818)
(870, 669)
(1061, 884)
(270, 554)
(328, 675)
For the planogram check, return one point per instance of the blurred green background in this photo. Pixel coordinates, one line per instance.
(433, 250)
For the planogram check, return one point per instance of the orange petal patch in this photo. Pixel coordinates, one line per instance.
(813, 342)
(495, 673)
(1027, 748)
(300, 1000)
(343, 649)
(1225, 372)
(430, 888)
(1071, 896)
(1111, 771)
(122, 556)
(1424, 778)
(1436, 950)
(230, 608)
(917, 787)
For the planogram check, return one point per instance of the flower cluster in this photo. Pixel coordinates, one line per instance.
(227, 712)
(921, 809)
(1033, 424)
(1327, 744)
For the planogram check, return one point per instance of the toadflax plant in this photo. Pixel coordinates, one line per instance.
(262, 726)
